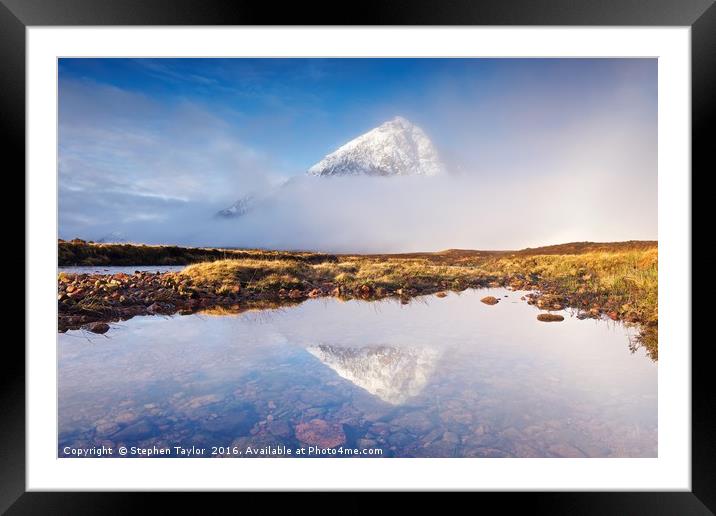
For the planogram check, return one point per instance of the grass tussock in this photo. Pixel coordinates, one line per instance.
(251, 274)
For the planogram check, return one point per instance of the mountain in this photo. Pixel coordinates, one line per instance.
(392, 374)
(394, 148)
(239, 208)
(115, 237)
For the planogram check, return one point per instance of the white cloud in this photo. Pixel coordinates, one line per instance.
(121, 152)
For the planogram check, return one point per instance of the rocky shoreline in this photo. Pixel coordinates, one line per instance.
(89, 301)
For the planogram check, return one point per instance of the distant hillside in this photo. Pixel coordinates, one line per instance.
(569, 248)
(80, 252)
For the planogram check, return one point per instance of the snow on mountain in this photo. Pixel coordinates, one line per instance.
(394, 148)
(392, 374)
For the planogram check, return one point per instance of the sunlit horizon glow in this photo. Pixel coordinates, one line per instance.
(539, 152)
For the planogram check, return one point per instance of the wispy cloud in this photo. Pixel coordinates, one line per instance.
(159, 69)
(126, 151)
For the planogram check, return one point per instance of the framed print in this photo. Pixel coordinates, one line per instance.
(448, 248)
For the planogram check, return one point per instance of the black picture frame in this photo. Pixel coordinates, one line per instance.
(700, 15)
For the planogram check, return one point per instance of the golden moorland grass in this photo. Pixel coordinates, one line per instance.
(623, 280)
(627, 279)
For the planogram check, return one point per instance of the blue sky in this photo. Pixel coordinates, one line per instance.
(150, 139)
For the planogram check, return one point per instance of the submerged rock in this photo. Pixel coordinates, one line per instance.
(237, 422)
(106, 428)
(279, 428)
(321, 433)
(136, 431)
(365, 444)
(416, 422)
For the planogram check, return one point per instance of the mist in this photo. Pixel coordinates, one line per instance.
(403, 214)
(546, 158)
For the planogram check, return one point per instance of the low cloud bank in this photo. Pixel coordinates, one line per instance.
(401, 214)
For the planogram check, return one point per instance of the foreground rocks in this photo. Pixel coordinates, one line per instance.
(85, 300)
(89, 298)
(101, 298)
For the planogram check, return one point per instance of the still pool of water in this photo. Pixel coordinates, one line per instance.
(115, 269)
(439, 377)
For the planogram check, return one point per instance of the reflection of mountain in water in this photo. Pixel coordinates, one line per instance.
(392, 374)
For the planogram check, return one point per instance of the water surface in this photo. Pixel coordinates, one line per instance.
(440, 377)
(114, 269)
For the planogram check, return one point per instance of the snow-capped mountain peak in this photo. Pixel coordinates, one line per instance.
(394, 148)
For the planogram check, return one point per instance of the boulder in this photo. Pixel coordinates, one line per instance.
(490, 300)
(97, 327)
